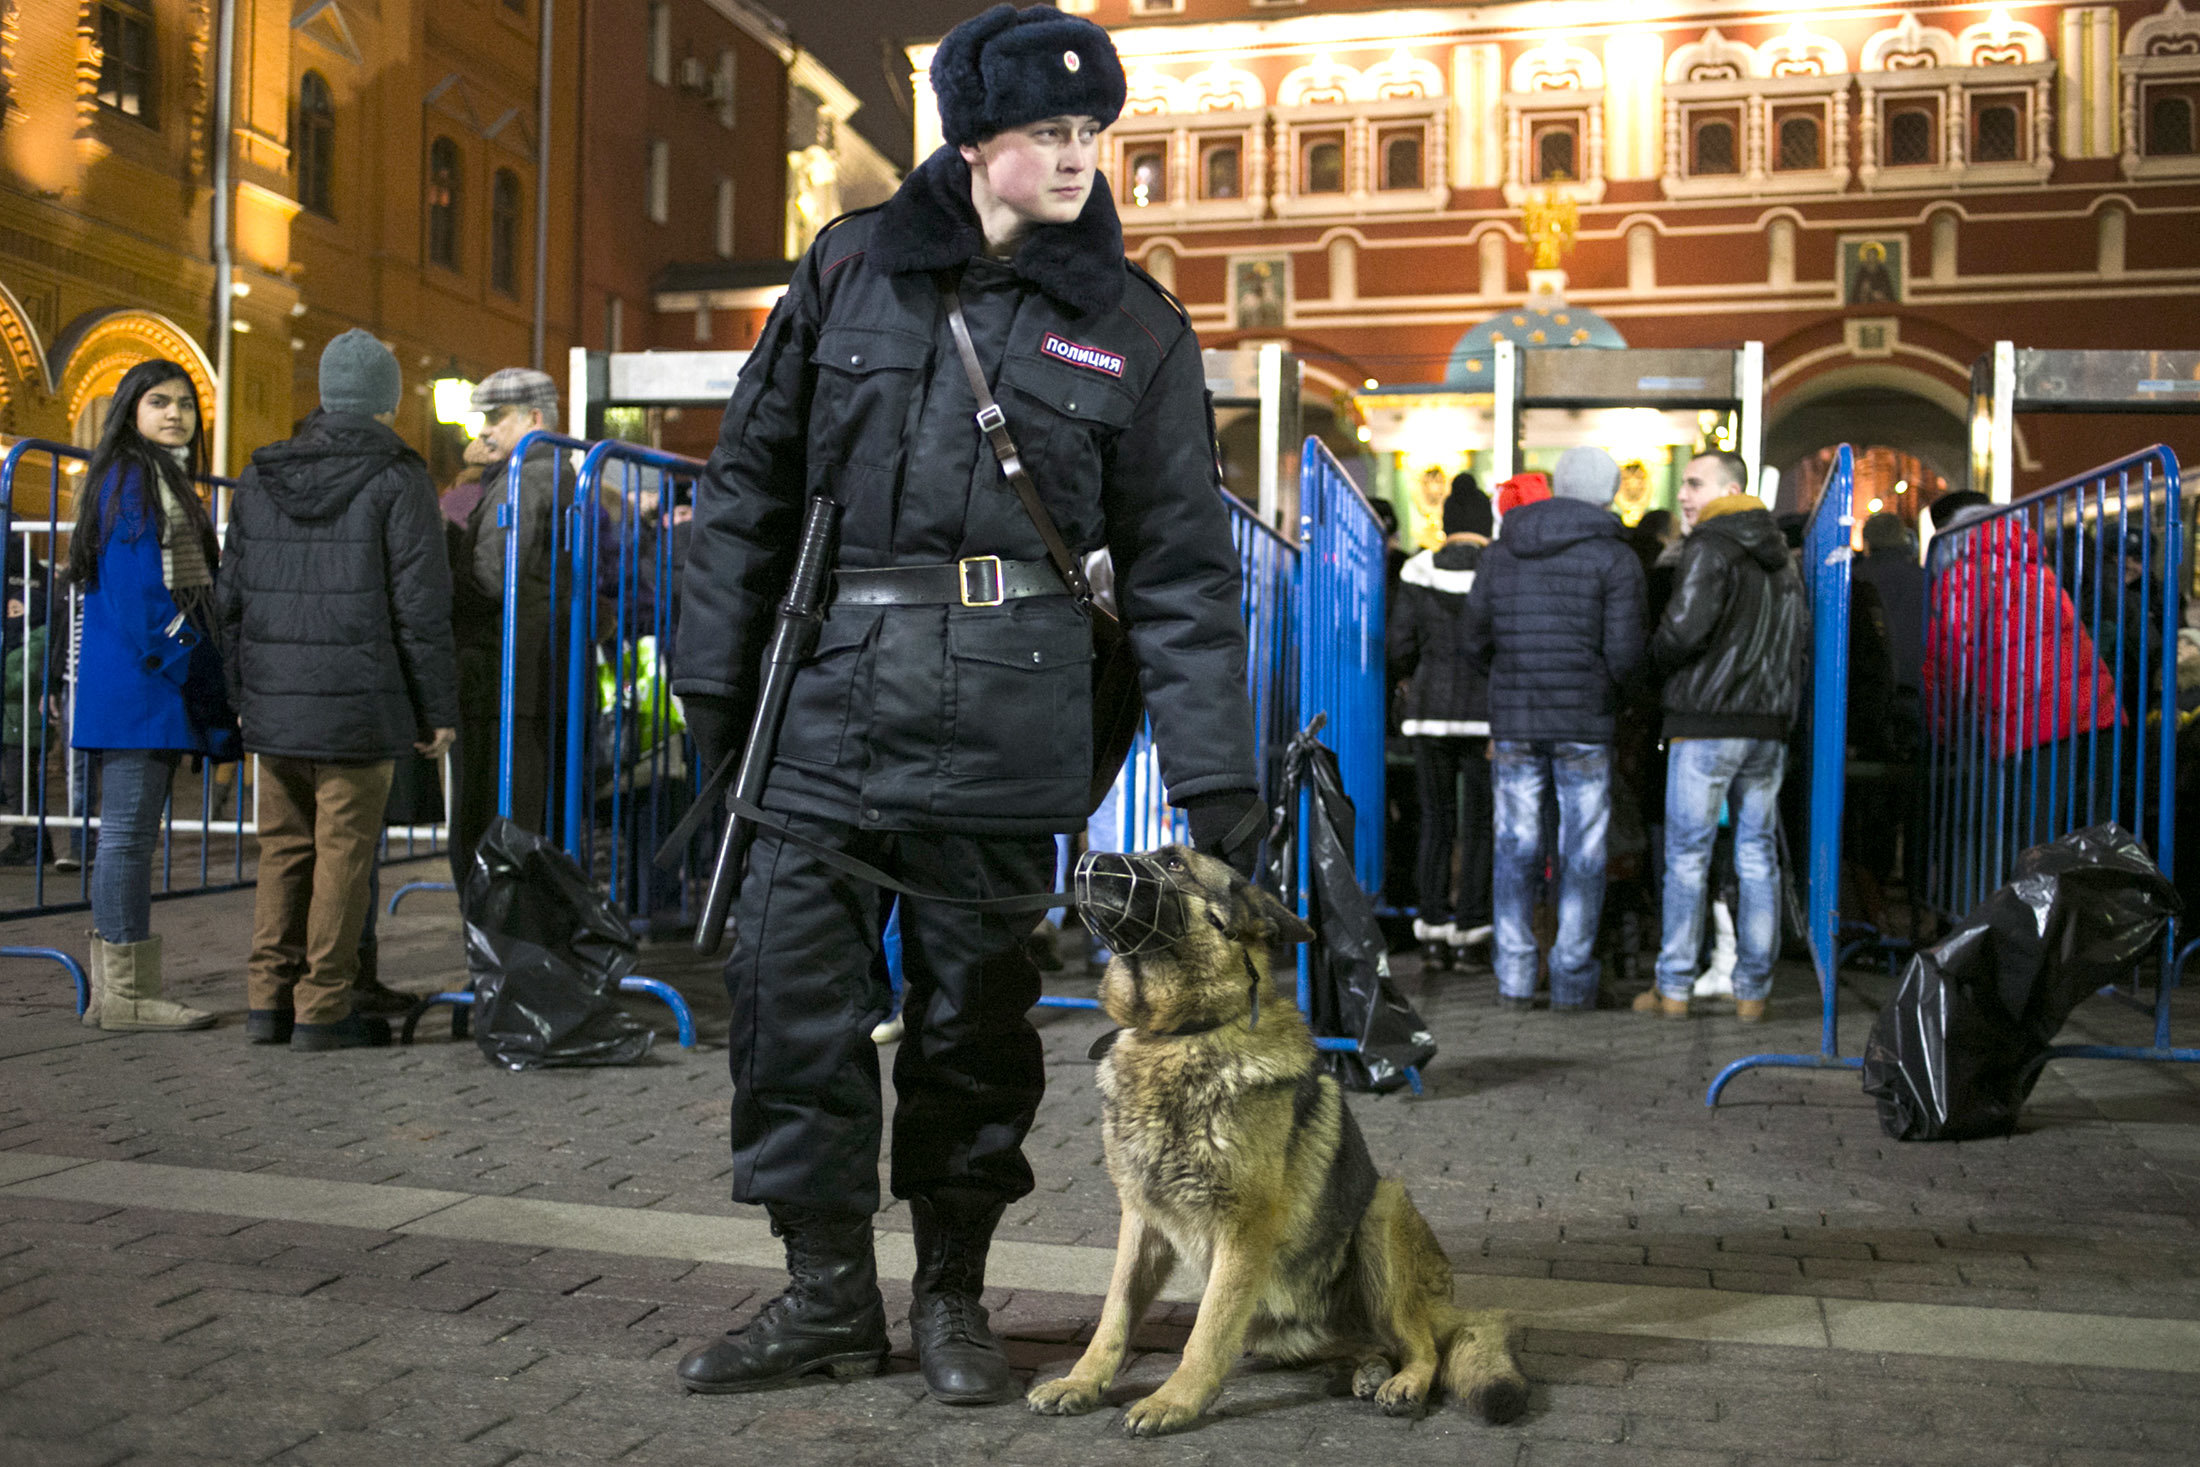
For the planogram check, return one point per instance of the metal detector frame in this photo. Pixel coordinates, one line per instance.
(1654, 377)
(2010, 379)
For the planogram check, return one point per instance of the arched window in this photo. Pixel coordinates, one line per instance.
(504, 232)
(1149, 171)
(444, 182)
(1801, 144)
(1554, 152)
(1909, 137)
(1402, 160)
(313, 146)
(1325, 166)
(1995, 130)
(2169, 127)
(1222, 171)
(1714, 148)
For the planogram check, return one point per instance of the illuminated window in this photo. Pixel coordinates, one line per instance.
(313, 146)
(1802, 144)
(659, 202)
(1997, 129)
(660, 42)
(1714, 148)
(2169, 127)
(504, 231)
(444, 181)
(1402, 159)
(725, 219)
(1221, 172)
(1324, 172)
(1148, 167)
(1555, 146)
(126, 59)
(1910, 136)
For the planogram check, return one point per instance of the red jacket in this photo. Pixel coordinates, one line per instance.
(2005, 648)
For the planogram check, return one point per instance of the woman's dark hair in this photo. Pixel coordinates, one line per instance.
(122, 447)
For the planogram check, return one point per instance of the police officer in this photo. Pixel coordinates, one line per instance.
(942, 730)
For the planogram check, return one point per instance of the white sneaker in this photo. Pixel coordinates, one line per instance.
(1471, 936)
(1430, 931)
(1717, 980)
(889, 1032)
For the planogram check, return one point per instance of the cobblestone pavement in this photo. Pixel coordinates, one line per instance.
(1564, 1158)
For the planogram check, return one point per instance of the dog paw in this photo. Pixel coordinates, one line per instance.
(1159, 1414)
(1398, 1396)
(1369, 1378)
(1065, 1397)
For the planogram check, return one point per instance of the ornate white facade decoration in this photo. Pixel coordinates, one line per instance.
(1400, 77)
(1220, 88)
(1557, 67)
(1963, 86)
(1772, 101)
(1909, 47)
(1322, 80)
(1148, 92)
(1396, 103)
(2162, 51)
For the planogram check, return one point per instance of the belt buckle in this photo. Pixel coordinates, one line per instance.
(991, 565)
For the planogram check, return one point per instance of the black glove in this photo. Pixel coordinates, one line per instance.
(718, 723)
(1219, 816)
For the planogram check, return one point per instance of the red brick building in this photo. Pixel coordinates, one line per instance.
(1876, 192)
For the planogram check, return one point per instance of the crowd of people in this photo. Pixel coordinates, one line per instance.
(1541, 669)
(346, 630)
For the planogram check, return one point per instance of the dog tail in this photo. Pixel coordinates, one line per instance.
(1479, 1368)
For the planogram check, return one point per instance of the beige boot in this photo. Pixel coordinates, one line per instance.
(95, 973)
(130, 996)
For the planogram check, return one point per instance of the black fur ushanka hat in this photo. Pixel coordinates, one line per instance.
(1008, 67)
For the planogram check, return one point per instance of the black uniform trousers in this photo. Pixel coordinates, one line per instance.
(474, 763)
(1447, 767)
(806, 993)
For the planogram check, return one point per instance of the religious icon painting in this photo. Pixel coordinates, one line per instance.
(1872, 269)
(1259, 287)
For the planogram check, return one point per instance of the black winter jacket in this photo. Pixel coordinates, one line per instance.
(1556, 618)
(1734, 640)
(1448, 695)
(971, 719)
(334, 599)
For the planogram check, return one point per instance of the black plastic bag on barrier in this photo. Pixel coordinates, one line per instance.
(1957, 1051)
(546, 950)
(1353, 996)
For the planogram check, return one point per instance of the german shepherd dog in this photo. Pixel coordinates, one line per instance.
(1232, 1149)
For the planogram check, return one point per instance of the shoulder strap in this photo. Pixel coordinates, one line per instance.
(994, 424)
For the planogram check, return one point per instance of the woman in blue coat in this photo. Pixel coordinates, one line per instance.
(148, 678)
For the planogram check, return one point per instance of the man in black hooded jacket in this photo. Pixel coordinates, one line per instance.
(942, 730)
(1731, 649)
(334, 613)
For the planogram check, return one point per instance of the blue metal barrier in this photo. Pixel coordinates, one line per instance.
(2051, 688)
(1340, 618)
(51, 789)
(1827, 578)
(461, 1004)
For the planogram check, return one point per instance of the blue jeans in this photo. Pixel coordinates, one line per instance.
(1583, 774)
(1701, 774)
(133, 790)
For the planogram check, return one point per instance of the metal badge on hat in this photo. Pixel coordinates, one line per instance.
(1071, 61)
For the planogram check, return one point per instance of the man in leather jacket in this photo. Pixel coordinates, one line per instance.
(1730, 647)
(942, 729)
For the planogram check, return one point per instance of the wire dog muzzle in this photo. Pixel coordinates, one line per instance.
(1129, 902)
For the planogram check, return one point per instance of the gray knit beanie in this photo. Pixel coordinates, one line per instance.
(358, 375)
(1587, 474)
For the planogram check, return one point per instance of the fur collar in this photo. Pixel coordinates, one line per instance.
(1422, 570)
(929, 225)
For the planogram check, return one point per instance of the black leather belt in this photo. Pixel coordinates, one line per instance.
(976, 580)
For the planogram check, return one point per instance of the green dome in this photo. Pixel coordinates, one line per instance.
(1541, 322)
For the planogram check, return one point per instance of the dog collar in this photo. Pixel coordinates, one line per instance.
(1106, 1041)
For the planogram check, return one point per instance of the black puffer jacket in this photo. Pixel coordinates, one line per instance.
(1448, 695)
(1734, 639)
(334, 599)
(969, 718)
(1556, 617)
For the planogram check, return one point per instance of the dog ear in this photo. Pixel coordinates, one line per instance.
(1259, 910)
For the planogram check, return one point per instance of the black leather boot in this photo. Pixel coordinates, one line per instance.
(369, 994)
(962, 1362)
(829, 1319)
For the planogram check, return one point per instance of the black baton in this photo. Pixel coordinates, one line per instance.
(801, 614)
